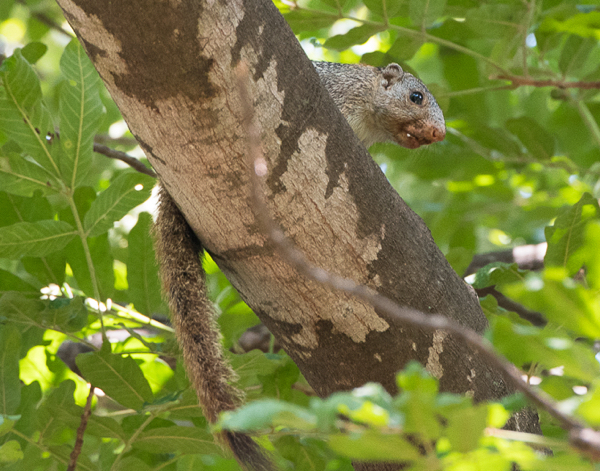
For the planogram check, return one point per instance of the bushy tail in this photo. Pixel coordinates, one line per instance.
(183, 279)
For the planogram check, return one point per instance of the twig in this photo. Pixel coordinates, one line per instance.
(118, 141)
(586, 440)
(527, 257)
(536, 318)
(117, 154)
(521, 81)
(87, 411)
(42, 18)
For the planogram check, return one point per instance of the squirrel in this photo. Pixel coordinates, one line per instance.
(380, 104)
(384, 104)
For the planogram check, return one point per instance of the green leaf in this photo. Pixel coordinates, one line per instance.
(80, 110)
(10, 452)
(494, 20)
(426, 12)
(538, 141)
(355, 36)
(301, 20)
(14, 209)
(306, 454)
(265, 413)
(250, 365)
(35, 239)
(10, 282)
(132, 463)
(185, 440)
(34, 51)
(7, 422)
(21, 177)
(496, 273)
(387, 8)
(574, 53)
(63, 453)
(465, 428)
(590, 408)
(417, 401)
(21, 309)
(65, 314)
(61, 404)
(48, 269)
(125, 193)
(405, 46)
(566, 236)
(142, 269)
(373, 446)
(551, 348)
(23, 116)
(118, 376)
(10, 386)
(103, 265)
(587, 255)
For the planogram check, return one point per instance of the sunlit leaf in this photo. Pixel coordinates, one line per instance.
(373, 446)
(125, 193)
(23, 116)
(142, 269)
(118, 376)
(80, 110)
(183, 439)
(34, 239)
(10, 452)
(21, 177)
(565, 237)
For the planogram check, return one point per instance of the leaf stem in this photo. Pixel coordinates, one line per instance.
(89, 261)
(131, 440)
(141, 318)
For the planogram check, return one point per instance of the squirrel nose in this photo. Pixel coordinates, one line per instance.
(437, 134)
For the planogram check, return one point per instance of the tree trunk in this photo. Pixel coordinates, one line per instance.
(170, 68)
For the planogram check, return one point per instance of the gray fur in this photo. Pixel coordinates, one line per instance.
(376, 103)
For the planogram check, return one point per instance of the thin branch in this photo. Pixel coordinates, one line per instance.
(42, 18)
(536, 318)
(521, 81)
(118, 155)
(87, 411)
(118, 141)
(471, 91)
(586, 440)
(527, 257)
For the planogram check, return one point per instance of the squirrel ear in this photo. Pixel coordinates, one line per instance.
(392, 74)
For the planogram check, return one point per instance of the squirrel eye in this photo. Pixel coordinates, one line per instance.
(416, 98)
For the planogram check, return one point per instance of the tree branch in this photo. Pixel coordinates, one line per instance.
(42, 18)
(584, 439)
(118, 155)
(536, 318)
(522, 81)
(527, 257)
(87, 411)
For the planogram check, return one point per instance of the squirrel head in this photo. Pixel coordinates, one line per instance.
(406, 110)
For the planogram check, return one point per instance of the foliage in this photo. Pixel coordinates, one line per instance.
(519, 166)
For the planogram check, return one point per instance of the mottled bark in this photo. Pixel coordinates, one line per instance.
(170, 68)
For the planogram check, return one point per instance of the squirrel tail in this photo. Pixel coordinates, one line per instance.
(183, 278)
